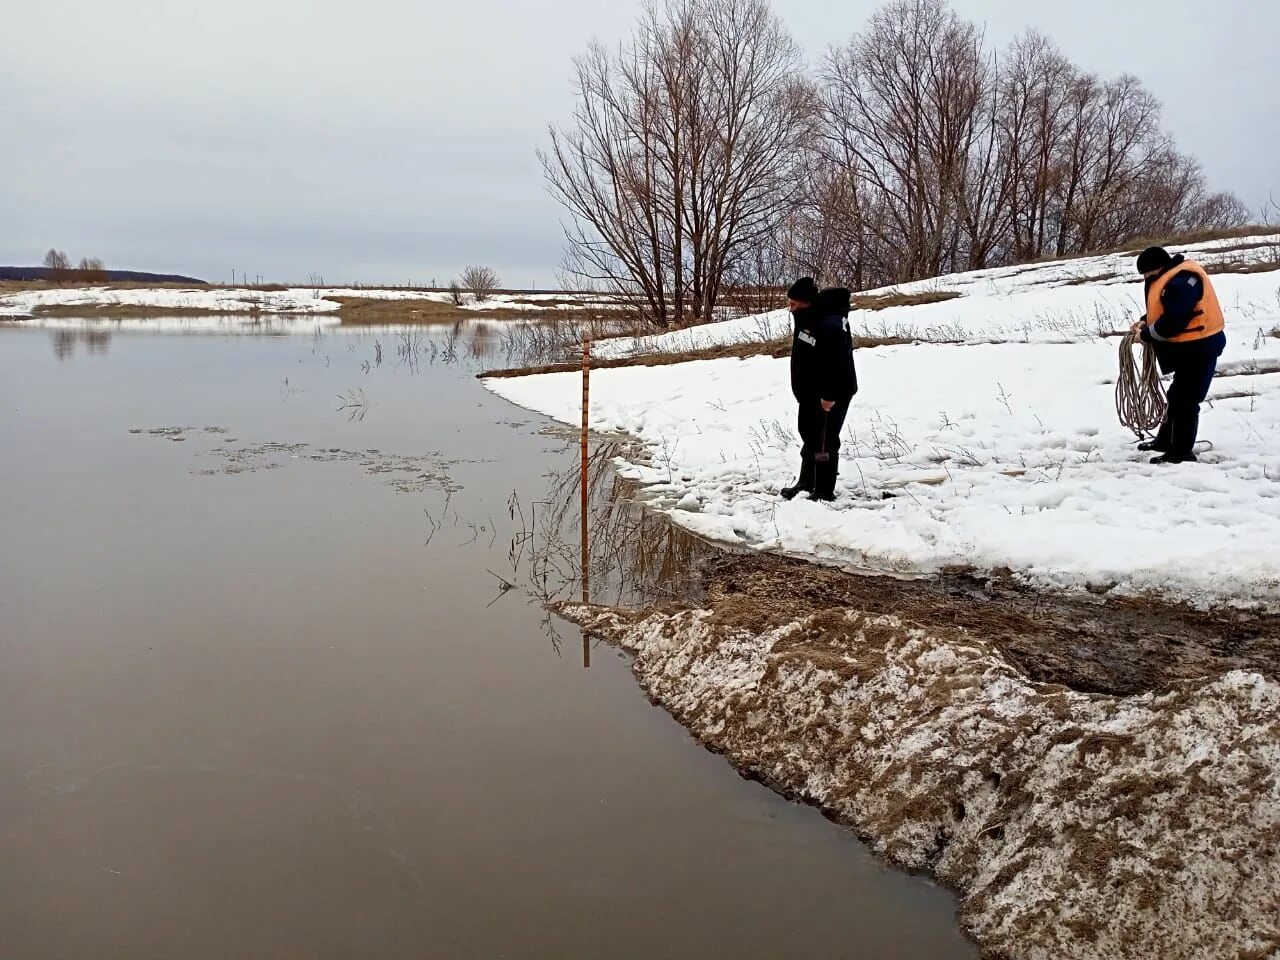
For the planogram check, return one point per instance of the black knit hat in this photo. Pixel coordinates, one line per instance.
(803, 290)
(1153, 258)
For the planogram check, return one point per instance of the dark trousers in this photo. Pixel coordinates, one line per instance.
(820, 430)
(1193, 366)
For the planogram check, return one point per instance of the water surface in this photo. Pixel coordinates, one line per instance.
(276, 682)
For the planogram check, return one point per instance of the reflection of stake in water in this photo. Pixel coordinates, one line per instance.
(636, 556)
(354, 404)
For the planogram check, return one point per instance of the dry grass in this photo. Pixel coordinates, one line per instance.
(359, 311)
(1243, 266)
(26, 286)
(1130, 645)
(886, 300)
(1249, 368)
(1095, 278)
(557, 303)
(776, 348)
(1201, 236)
(772, 348)
(1136, 246)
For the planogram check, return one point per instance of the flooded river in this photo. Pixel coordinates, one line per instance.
(276, 681)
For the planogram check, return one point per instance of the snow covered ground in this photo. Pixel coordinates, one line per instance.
(1055, 302)
(295, 301)
(518, 302)
(989, 454)
(227, 301)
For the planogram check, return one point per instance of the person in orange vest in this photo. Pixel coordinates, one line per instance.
(1184, 323)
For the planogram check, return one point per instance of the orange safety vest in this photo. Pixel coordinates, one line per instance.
(1207, 321)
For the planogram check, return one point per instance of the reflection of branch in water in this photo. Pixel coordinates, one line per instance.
(354, 404)
(550, 628)
(408, 348)
(505, 586)
(636, 556)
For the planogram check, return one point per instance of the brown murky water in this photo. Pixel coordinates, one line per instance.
(276, 682)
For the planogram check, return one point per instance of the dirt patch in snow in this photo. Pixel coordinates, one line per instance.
(1087, 825)
(1117, 645)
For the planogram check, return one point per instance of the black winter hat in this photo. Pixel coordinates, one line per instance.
(835, 300)
(804, 290)
(1153, 258)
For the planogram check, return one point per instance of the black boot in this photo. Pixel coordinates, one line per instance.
(824, 487)
(1160, 442)
(804, 484)
(1182, 439)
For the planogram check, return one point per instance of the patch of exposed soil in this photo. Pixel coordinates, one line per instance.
(1117, 645)
(1071, 824)
(358, 311)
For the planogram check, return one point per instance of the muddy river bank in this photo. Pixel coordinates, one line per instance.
(277, 680)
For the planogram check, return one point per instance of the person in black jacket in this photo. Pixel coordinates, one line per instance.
(823, 381)
(1185, 325)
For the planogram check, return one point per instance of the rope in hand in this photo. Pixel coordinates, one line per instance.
(1140, 400)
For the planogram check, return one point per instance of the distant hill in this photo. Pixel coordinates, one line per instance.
(132, 276)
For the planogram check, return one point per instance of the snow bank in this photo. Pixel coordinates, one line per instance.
(1071, 825)
(991, 455)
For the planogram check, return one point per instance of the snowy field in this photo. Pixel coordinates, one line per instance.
(227, 301)
(296, 301)
(260, 325)
(986, 454)
(499, 301)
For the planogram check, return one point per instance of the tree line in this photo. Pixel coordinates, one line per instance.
(704, 156)
(58, 269)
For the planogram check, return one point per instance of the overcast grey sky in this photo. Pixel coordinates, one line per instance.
(391, 140)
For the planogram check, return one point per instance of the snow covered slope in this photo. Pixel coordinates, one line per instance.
(1054, 302)
(1001, 451)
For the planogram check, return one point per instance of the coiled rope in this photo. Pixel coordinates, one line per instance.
(1140, 399)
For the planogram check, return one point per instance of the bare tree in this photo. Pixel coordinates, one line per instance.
(683, 155)
(58, 265)
(908, 116)
(937, 156)
(700, 162)
(91, 270)
(481, 281)
(455, 293)
(1034, 87)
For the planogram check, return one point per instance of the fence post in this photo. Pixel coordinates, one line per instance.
(585, 521)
